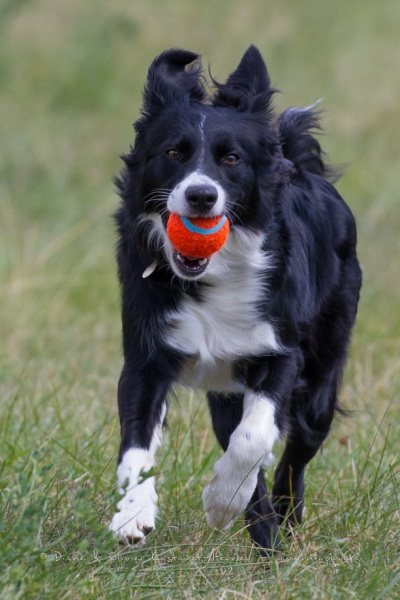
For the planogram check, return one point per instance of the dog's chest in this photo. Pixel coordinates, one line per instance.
(224, 326)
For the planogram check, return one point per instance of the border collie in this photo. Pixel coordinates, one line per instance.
(263, 325)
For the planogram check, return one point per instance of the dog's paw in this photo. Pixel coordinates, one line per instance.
(136, 517)
(227, 494)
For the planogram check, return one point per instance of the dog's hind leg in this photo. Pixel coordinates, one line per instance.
(309, 428)
(261, 517)
(226, 413)
(313, 407)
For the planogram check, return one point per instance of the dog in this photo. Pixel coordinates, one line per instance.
(264, 324)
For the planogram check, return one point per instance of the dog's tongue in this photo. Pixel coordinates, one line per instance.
(191, 259)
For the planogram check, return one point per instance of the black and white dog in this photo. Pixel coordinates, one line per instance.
(264, 324)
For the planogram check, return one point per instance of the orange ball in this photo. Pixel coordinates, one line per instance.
(197, 237)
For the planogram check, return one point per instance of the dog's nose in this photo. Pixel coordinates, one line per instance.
(201, 197)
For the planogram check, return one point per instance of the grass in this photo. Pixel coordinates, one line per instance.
(71, 75)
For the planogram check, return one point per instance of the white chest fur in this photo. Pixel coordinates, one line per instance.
(226, 324)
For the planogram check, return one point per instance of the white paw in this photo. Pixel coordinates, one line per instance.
(227, 494)
(137, 514)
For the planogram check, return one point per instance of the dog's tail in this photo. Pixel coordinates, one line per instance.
(297, 128)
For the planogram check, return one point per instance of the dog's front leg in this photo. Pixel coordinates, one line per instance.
(142, 409)
(251, 443)
(235, 474)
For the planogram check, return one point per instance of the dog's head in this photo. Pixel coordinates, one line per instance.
(202, 156)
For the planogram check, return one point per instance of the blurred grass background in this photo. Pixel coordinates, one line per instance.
(71, 75)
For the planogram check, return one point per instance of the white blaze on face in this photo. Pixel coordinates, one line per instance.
(178, 204)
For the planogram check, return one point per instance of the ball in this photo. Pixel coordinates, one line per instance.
(197, 237)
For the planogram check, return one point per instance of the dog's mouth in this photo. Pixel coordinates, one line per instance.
(189, 265)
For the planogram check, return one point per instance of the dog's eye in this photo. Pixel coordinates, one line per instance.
(231, 158)
(173, 153)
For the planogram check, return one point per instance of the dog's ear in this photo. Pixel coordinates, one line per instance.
(248, 88)
(173, 76)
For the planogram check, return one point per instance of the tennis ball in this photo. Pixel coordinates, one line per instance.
(197, 237)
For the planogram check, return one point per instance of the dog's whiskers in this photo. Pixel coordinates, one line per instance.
(234, 215)
(157, 195)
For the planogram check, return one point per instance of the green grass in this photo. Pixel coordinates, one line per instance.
(71, 74)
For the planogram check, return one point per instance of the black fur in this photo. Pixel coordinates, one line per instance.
(280, 188)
